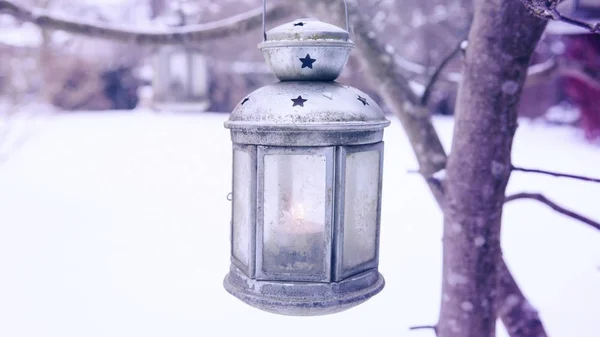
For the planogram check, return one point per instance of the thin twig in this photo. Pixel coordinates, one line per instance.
(425, 327)
(593, 28)
(438, 71)
(556, 174)
(539, 197)
(547, 10)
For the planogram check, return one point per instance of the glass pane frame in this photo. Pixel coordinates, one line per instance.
(339, 272)
(329, 193)
(249, 269)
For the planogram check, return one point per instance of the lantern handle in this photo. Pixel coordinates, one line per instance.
(264, 20)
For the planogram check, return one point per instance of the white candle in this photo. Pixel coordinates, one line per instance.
(293, 221)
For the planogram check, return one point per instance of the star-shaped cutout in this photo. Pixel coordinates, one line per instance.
(299, 24)
(299, 101)
(245, 100)
(363, 100)
(307, 62)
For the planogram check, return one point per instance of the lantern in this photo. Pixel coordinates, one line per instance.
(307, 174)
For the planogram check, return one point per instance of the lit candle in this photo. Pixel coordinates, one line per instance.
(293, 225)
(295, 243)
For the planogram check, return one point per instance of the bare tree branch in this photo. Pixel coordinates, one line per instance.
(403, 101)
(385, 73)
(424, 327)
(541, 198)
(438, 71)
(593, 28)
(535, 74)
(177, 35)
(541, 8)
(546, 9)
(516, 312)
(556, 174)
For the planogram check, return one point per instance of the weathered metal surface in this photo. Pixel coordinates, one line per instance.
(307, 50)
(307, 114)
(299, 23)
(307, 29)
(307, 106)
(285, 60)
(304, 298)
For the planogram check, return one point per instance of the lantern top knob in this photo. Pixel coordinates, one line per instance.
(307, 50)
(307, 29)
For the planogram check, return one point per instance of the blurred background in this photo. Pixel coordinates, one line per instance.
(66, 73)
(115, 168)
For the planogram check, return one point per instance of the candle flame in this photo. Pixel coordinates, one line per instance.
(298, 212)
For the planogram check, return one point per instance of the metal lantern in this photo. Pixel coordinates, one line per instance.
(307, 173)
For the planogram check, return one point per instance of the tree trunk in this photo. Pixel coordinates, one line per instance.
(502, 39)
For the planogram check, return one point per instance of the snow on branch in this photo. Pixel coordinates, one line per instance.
(546, 9)
(556, 174)
(541, 198)
(233, 25)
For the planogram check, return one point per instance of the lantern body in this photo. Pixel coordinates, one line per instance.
(307, 177)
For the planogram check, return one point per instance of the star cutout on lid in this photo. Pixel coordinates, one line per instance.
(363, 100)
(245, 100)
(299, 101)
(307, 62)
(299, 24)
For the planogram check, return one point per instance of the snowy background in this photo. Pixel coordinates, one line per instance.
(117, 224)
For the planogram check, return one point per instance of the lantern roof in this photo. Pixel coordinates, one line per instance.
(304, 113)
(307, 106)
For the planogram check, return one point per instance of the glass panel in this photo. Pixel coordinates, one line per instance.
(242, 205)
(360, 210)
(295, 214)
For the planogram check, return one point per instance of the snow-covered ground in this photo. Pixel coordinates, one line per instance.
(116, 224)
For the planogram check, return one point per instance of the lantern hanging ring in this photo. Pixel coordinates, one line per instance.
(264, 21)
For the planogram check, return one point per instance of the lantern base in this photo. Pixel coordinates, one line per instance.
(304, 298)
